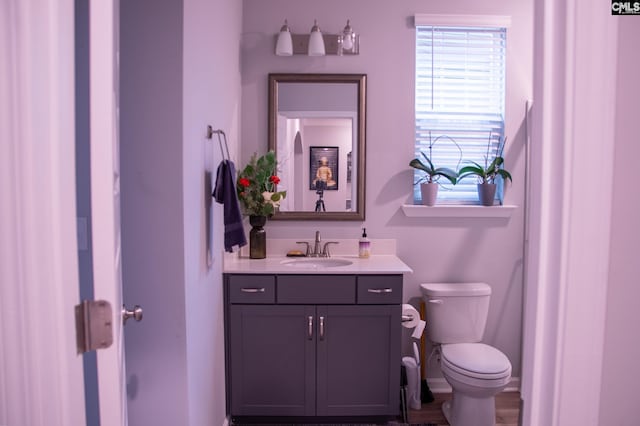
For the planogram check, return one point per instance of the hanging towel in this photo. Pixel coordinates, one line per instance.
(225, 193)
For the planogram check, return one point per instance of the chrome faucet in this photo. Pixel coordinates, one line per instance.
(317, 250)
(316, 246)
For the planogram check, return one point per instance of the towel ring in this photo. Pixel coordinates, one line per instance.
(219, 132)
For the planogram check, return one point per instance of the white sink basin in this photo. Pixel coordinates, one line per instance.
(316, 263)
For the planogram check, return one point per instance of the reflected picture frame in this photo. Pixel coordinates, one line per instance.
(323, 158)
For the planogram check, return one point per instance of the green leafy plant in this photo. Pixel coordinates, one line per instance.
(488, 172)
(256, 186)
(432, 173)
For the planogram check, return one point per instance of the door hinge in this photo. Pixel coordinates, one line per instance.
(94, 325)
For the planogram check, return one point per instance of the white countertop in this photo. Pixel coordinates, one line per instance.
(376, 264)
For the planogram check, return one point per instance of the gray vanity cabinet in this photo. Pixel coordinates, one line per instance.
(271, 361)
(313, 345)
(357, 366)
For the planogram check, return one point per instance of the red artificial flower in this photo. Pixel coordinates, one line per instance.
(244, 182)
(274, 179)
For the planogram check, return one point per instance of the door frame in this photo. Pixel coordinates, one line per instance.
(105, 203)
(569, 214)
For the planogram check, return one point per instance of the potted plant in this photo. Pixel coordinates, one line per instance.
(256, 189)
(429, 182)
(487, 174)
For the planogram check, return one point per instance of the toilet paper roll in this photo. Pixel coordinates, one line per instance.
(417, 333)
(411, 319)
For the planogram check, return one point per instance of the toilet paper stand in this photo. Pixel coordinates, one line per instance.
(412, 368)
(411, 318)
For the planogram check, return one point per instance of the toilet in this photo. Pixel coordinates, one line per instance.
(456, 315)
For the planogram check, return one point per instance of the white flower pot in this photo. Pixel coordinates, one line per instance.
(429, 193)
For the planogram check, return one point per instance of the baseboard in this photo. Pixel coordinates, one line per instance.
(514, 385)
(440, 385)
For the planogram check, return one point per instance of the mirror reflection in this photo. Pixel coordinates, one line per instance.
(317, 129)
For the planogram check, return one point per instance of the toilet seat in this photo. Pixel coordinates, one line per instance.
(476, 360)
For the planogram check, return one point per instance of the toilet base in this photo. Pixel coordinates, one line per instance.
(463, 410)
(446, 410)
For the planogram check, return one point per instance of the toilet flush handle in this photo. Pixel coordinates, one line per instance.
(436, 301)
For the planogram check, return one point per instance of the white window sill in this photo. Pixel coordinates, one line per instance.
(450, 210)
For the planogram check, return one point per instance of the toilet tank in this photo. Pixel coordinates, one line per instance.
(456, 312)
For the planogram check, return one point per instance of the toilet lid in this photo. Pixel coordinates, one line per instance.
(476, 360)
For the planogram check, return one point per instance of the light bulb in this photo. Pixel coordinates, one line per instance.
(347, 43)
(347, 37)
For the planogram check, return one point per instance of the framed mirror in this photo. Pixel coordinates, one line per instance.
(317, 130)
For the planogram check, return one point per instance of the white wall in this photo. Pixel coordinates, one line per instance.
(437, 249)
(618, 405)
(179, 73)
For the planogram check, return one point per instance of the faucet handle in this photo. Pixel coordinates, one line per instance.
(307, 251)
(325, 250)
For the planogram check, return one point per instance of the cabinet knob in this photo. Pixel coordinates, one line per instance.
(252, 290)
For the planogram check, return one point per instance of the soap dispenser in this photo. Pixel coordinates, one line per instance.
(364, 246)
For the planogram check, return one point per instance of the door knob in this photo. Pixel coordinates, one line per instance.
(135, 313)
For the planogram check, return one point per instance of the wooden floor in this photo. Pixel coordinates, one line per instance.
(507, 410)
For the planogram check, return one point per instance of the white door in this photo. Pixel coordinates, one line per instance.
(40, 371)
(38, 251)
(105, 202)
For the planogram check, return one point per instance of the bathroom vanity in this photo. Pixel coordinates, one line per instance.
(313, 342)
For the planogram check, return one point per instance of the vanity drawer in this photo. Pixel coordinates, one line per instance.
(317, 289)
(252, 289)
(379, 289)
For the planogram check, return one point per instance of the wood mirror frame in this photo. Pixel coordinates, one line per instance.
(356, 173)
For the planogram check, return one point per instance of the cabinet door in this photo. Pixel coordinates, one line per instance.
(358, 360)
(272, 359)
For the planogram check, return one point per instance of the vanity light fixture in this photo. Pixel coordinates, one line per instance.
(284, 45)
(317, 43)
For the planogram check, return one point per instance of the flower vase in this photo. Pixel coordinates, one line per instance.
(257, 237)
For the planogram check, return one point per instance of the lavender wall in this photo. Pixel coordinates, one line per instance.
(179, 73)
(211, 96)
(443, 249)
(152, 231)
(622, 349)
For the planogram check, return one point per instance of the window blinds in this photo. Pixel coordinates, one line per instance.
(459, 100)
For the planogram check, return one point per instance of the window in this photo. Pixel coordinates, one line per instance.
(459, 100)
